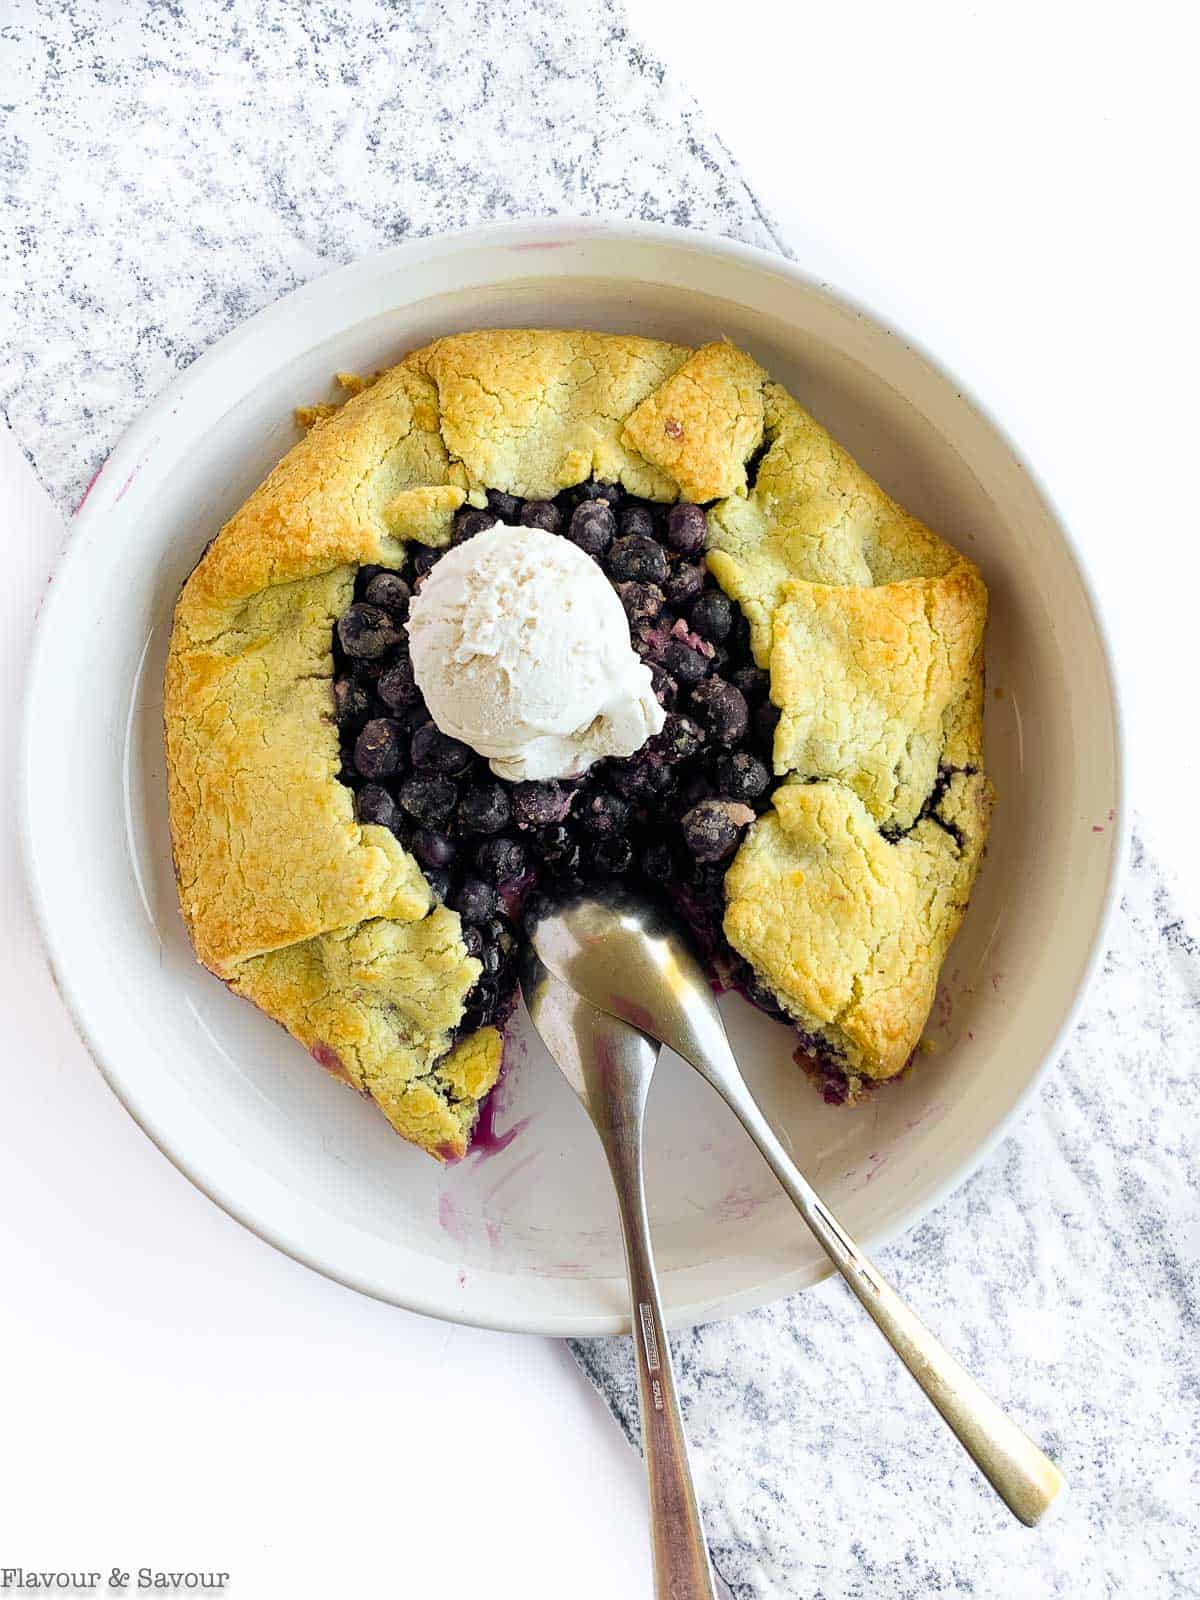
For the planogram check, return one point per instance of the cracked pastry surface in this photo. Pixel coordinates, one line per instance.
(848, 928)
(843, 895)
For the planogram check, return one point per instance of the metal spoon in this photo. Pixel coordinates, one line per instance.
(625, 955)
(609, 1065)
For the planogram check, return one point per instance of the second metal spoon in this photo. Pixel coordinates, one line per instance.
(625, 955)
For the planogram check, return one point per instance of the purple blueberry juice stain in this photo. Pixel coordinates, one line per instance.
(326, 1056)
(943, 1007)
(487, 1141)
(513, 1172)
(451, 1219)
(915, 1122)
(737, 1205)
(92, 481)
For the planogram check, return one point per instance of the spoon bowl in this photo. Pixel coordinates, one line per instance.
(624, 952)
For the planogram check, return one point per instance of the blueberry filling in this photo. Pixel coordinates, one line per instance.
(671, 816)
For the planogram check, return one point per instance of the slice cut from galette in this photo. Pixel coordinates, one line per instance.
(812, 800)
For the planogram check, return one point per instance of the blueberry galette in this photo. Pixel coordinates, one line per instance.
(533, 609)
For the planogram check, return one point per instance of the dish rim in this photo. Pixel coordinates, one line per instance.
(552, 232)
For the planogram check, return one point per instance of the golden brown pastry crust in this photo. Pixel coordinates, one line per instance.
(871, 628)
(869, 682)
(704, 423)
(848, 928)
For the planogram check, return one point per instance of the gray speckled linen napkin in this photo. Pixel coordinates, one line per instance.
(164, 172)
(1065, 1274)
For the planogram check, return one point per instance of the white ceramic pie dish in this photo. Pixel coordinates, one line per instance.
(524, 1236)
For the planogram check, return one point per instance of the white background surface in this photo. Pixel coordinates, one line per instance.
(1011, 184)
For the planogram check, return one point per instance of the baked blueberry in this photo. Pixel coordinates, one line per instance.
(740, 775)
(686, 529)
(686, 665)
(642, 602)
(378, 752)
(351, 702)
(433, 848)
(592, 527)
(636, 521)
(666, 690)
(645, 780)
(500, 859)
(389, 590)
(468, 521)
(435, 751)
(684, 582)
(505, 507)
(542, 514)
(613, 855)
(723, 710)
(711, 615)
(537, 805)
(602, 815)
(428, 798)
(373, 804)
(484, 808)
(474, 900)
(367, 633)
(680, 739)
(397, 686)
(636, 557)
(711, 830)
(424, 558)
(438, 880)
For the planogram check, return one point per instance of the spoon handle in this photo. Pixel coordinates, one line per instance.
(1025, 1479)
(681, 1567)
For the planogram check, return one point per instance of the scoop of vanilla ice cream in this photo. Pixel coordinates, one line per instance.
(521, 648)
